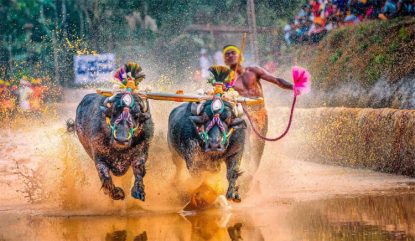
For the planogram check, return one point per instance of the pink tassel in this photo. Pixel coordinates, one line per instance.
(302, 80)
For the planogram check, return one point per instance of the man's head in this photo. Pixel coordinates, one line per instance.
(232, 55)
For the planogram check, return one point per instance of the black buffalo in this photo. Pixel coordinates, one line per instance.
(204, 138)
(116, 133)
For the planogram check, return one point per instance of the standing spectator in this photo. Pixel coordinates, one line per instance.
(315, 8)
(287, 33)
(406, 7)
(36, 98)
(329, 10)
(304, 11)
(364, 8)
(389, 10)
(377, 8)
(14, 90)
(352, 13)
(24, 94)
(218, 58)
(204, 63)
(341, 4)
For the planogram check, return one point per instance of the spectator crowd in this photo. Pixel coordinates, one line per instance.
(318, 17)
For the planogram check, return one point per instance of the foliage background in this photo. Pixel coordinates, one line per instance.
(40, 37)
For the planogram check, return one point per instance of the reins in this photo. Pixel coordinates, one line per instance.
(280, 136)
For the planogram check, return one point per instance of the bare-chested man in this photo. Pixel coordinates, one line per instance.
(247, 83)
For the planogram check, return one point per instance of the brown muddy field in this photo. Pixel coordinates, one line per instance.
(50, 191)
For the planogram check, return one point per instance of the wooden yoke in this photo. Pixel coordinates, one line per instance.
(184, 97)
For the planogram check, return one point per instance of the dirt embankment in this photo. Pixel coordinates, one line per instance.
(367, 65)
(378, 139)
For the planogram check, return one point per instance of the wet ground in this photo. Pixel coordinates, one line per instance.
(362, 217)
(50, 191)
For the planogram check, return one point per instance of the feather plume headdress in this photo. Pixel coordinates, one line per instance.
(219, 73)
(130, 71)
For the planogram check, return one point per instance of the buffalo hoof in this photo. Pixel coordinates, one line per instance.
(233, 195)
(117, 194)
(137, 192)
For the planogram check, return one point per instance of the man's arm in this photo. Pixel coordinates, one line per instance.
(265, 75)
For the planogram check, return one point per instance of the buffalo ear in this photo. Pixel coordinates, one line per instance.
(144, 116)
(238, 123)
(144, 106)
(196, 108)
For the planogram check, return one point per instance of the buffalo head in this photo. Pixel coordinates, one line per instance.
(215, 121)
(125, 114)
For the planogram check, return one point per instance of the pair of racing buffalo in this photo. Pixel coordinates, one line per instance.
(116, 132)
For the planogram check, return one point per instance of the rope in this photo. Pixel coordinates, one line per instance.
(280, 136)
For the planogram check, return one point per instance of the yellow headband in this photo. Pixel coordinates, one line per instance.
(236, 49)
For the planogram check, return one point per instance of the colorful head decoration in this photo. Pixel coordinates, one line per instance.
(233, 48)
(219, 77)
(219, 74)
(130, 75)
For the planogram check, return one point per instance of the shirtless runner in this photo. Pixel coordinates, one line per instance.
(247, 83)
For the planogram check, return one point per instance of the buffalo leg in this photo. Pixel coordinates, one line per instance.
(115, 193)
(139, 170)
(232, 174)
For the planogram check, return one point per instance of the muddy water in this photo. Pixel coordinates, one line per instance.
(50, 191)
(370, 217)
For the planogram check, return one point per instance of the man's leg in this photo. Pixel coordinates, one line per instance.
(256, 144)
(254, 148)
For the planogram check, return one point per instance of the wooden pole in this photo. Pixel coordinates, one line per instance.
(243, 44)
(10, 52)
(184, 97)
(252, 30)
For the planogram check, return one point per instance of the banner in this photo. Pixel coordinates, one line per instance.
(92, 69)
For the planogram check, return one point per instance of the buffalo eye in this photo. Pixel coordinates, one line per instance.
(238, 123)
(142, 117)
(135, 112)
(226, 116)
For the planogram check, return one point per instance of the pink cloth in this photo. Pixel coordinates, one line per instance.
(302, 80)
